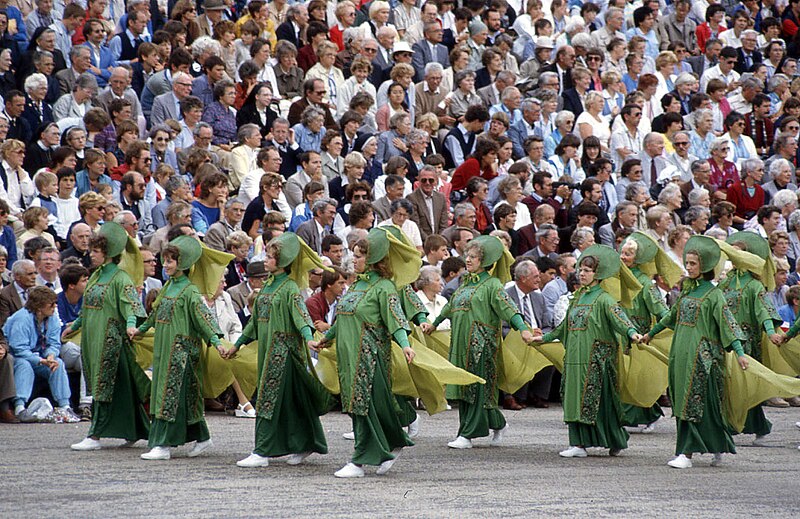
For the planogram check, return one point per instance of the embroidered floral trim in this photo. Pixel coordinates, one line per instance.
(688, 311)
(602, 362)
(184, 355)
(579, 317)
(109, 361)
(272, 375)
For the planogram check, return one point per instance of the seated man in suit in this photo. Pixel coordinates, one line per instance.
(80, 58)
(101, 61)
(747, 56)
(168, 106)
(314, 230)
(526, 295)
(255, 280)
(430, 50)
(15, 295)
(430, 207)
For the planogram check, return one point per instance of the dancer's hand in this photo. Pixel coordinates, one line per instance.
(637, 337)
(646, 338)
(132, 332)
(427, 328)
(64, 334)
(409, 353)
(777, 339)
(527, 336)
(743, 362)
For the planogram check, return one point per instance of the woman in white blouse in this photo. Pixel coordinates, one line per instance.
(19, 189)
(592, 122)
(361, 68)
(429, 290)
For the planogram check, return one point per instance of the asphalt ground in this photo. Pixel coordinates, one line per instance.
(524, 477)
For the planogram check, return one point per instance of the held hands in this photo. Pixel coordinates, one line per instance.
(227, 353)
(637, 337)
(536, 336)
(132, 332)
(528, 337)
(777, 339)
(645, 339)
(64, 334)
(427, 328)
(318, 345)
(743, 362)
(409, 353)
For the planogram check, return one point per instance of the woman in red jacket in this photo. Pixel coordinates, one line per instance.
(747, 196)
(483, 163)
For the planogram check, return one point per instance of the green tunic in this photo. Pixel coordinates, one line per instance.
(646, 308)
(704, 327)
(119, 386)
(182, 322)
(476, 311)
(747, 300)
(592, 408)
(290, 399)
(368, 315)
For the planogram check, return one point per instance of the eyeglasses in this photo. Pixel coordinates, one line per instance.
(793, 128)
(319, 92)
(427, 181)
(161, 139)
(637, 114)
(184, 84)
(682, 143)
(149, 261)
(594, 58)
(146, 160)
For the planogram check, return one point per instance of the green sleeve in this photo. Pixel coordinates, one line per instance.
(298, 311)
(204, 323)
(518, 323)
(737, 347)
(401, 338)
(769, 327)
(249, 334)
(331, 333)
(307, 333)
(76, 324)
(129, 303)
(419, 319)
(656, 329)
(148, 323)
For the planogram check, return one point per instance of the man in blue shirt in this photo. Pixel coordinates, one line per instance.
(74, 277)
(34, 339)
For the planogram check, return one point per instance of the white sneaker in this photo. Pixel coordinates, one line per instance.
(349, 436)
(254, 460)
(574, 452)
(413, 428)
(680, 462)
(129, 444)
(717, 460)
(797, 424)
(297, 459)
(350, 471)
(156, 453)
(386, 465)
(199, 447)
(460, 443)
(497, 436)
(87, 444)
(245, 411)
(760, 440)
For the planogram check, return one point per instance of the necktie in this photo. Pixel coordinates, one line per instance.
(49, 285)
(24, 296)
(653, 173)
(748, 61)
(526, 310)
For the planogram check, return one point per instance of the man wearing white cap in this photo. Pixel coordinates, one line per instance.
(541, 58)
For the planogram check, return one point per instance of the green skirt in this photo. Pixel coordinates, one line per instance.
(407, 412)
(476, 419)
(380, 431)
(607, 429)
(294, 427)
(124, 416)
(179, 431)
(635, 416)
(712, 433)
(757, 422)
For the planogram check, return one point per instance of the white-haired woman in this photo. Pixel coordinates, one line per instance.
(510, 191)
(582, 238)
(429, 289)
(701, 137)
(592, 122)
(37, 110)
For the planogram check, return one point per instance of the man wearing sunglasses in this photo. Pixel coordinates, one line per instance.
(723, 70)
(430, 207)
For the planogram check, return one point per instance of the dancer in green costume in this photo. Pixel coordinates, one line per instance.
(290, 398)
(182, 323)
(642, 255)
(746, 297)
(368, 316)
(476, 311)
(704, 328)
(592, 409)
(111, 306)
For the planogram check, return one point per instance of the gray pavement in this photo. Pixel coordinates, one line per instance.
(523, 478)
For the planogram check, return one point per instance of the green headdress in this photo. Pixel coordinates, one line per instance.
(121, 244)
(758, 246)
(652, 259)
(496, 258)
(706, 248)
(404, 259)
(614, 277)
(206, 266)
(295, 252)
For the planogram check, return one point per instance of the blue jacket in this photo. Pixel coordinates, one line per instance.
(518, 133)
(106, 60)
(9, 240)
(22, 335)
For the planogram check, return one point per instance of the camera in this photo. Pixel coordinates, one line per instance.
(571, 185)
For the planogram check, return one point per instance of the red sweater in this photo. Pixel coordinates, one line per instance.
(470, 168)
(746, 206)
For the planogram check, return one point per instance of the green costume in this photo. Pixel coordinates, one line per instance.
(119, 386)
(368, 316)
(182, 323)
(290, 398)
(746, 298)
(592, 408)
(703, 328)
(476, 311)
(648, 307)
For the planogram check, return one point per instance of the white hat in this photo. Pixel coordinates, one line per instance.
(402, 46)
(544, 42)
